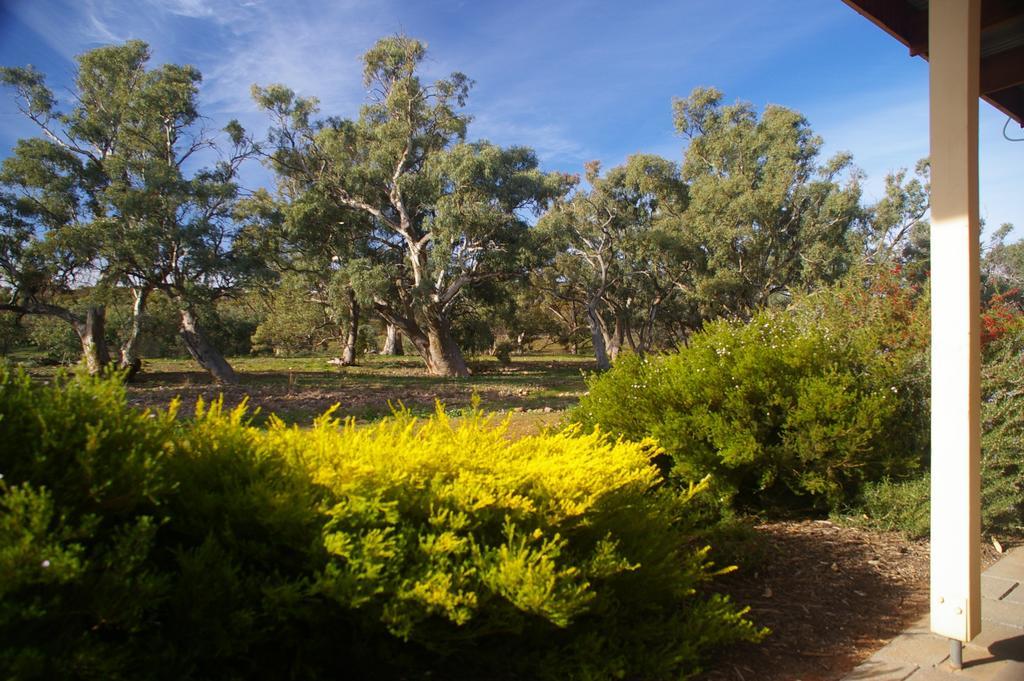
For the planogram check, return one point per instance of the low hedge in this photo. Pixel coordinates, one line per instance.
(134, 545)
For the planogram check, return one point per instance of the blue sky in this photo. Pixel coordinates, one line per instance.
(575, 80)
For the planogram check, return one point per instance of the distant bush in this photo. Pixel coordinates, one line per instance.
(54, 339)
(12, 332)
(139, 546)
(796, 408)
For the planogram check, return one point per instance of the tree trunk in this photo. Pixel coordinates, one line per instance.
(393, 341)
(613, 341)
(94, 345)
(434, 343)
(444, 358)
(202, 350)
(348, 354)
(130, 359)
(597, 336)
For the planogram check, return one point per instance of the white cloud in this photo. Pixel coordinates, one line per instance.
(195, 9)
(552, 143)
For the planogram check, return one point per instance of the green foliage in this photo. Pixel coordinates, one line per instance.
(299, 318)
(160, 329)
(796, 407)
(1002, 439)
(895, 505)
(82, 476)
(622, 252)
(904, 504)
(231, 322)
(54, 338)
(12, 333)
(138, 546)
(432, 214)
(110, 190)
(770, 215)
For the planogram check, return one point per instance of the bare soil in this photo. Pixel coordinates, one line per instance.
(538, 388)
(831, 595)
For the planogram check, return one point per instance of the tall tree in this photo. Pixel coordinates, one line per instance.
(131, 140)
(45, 250)
(770, 217)
(443, 214)
(891, 229)
(621, 252)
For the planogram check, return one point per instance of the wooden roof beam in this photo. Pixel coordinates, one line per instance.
(996, 12)
(898, 19)
(1002, 70)
(910, 26)
(1009, 101)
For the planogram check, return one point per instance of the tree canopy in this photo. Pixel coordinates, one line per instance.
(109, 194)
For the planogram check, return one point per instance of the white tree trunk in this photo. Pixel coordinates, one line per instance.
(203, 351)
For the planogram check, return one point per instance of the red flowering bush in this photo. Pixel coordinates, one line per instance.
(1001, 316)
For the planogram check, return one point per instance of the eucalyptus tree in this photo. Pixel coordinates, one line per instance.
(769, 216)
(130, 145)
(443, 214)
(894, 231)
(620, 252)
(44, 201)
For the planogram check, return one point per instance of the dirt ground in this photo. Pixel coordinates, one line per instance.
(831, 596)
(531, 389)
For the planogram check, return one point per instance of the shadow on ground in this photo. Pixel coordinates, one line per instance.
(830, 594)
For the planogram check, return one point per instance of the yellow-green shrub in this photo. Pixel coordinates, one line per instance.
(406, 549)
(558, 555)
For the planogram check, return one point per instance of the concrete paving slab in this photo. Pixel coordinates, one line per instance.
(1013, 671)
(981, 665)
(992, 633)
(881, 670)
(996, 587)
(1002, 612)
(920, 650)
(1007, 568)
(1009, 648)
(934, 675)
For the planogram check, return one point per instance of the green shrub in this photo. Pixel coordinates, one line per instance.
(1002, 439)
(895, 505)
(795, 408)
(904, 505)
(80, 496)
(137, 546)
(54, 339)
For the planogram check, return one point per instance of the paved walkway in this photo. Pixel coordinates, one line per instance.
(997, 654)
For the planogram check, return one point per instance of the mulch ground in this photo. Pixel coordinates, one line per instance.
(831, 595)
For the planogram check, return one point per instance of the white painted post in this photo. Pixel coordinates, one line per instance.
(954, 28)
